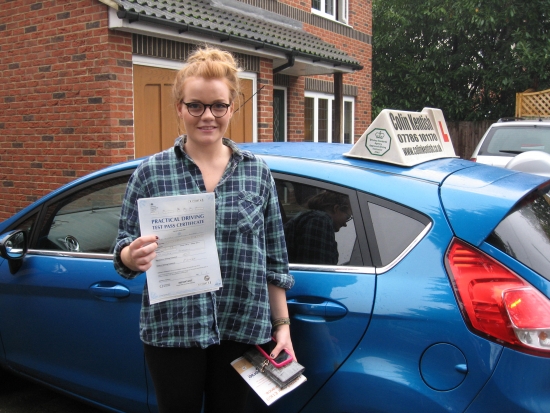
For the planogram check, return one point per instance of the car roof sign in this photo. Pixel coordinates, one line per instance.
(405, 138)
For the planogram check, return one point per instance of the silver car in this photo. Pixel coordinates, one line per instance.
(510, 137)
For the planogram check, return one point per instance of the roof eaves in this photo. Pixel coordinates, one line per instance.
(206, 20)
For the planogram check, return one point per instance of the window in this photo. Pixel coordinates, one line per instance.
(319, 225)
(309, 120)
(86, 221)
(348, 122)
(391, 229)
(318, 123)
(322, 120)
(525, 232)
(514, 140)
(394, 231)
(331, 9)
(279, 114)
(26, 225)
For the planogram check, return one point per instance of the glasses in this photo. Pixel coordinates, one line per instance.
(345, 209)
(197, 109)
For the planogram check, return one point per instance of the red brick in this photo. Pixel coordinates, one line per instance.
(70, 47)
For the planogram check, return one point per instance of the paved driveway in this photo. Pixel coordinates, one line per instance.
(21, 396)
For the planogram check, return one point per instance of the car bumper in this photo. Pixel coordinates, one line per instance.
(520, 383)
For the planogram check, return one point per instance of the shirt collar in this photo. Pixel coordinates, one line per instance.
(238, 154)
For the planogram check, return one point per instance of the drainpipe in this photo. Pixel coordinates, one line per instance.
(288, 64)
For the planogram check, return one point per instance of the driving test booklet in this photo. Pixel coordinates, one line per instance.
(187, 260)
(268, 390)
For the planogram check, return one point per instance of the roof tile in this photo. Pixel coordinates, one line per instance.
(202, 13)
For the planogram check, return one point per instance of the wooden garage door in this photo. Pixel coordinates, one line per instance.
(156, 123)
(240, 129)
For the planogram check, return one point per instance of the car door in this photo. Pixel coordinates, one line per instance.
(330, 305)
(68, 318)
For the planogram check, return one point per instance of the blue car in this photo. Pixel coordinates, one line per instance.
(438, 301)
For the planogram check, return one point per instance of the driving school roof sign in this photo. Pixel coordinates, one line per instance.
(405, 138)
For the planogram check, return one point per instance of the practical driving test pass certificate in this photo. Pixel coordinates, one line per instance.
(187, 260)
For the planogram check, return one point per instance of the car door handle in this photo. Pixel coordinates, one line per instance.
(109, 290)
(319, 308)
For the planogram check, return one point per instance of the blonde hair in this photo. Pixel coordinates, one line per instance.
(209, 63)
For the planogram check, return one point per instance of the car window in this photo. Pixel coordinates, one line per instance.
(318, 223)
(391, 228)
(525, 233)
(394, 231)
(85, 221)
(511, 141)
(26, 225)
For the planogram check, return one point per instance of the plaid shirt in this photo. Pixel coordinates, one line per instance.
(250, 242)
(310, 239)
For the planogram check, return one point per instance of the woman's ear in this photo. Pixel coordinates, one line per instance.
(179, 105)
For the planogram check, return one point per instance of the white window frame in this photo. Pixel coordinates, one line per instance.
(340, 8)
(316, 96)
(254, 77)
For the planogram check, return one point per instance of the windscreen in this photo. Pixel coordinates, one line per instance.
(515, 140)
(525, 232)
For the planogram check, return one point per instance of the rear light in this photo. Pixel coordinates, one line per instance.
(498, 304)
(473, 159)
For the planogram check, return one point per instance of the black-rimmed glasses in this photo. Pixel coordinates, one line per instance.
(197, 109)
(345, 209)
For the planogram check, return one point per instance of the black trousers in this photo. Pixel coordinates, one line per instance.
(182, 375)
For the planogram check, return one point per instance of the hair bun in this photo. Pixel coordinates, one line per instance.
(210, 54)
(210, 63)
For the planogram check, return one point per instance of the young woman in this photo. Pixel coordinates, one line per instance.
(190, 342)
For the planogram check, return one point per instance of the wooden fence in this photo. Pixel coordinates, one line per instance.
(533, 104)
(466, 135)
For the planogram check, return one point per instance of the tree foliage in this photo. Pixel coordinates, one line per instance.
(468, 57)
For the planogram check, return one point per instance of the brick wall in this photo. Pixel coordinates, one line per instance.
(265, 101)
(360, 26)
(299, 4)
(295, 130)
(66, 99)
(361, 79)
(66, 96)
(360, 18)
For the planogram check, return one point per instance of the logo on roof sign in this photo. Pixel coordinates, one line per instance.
(405, 138)
(378, 142)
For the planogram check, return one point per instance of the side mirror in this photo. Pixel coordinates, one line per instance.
(13, 247)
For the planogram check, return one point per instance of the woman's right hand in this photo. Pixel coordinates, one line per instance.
(138, 256)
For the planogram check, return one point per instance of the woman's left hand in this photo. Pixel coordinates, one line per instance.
(279, 310)
(281, 335)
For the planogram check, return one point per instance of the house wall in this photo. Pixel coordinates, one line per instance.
(66, 105)
(360, 79)
(66, 99)
(295, 97)
(265, 101)
(360, 20)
